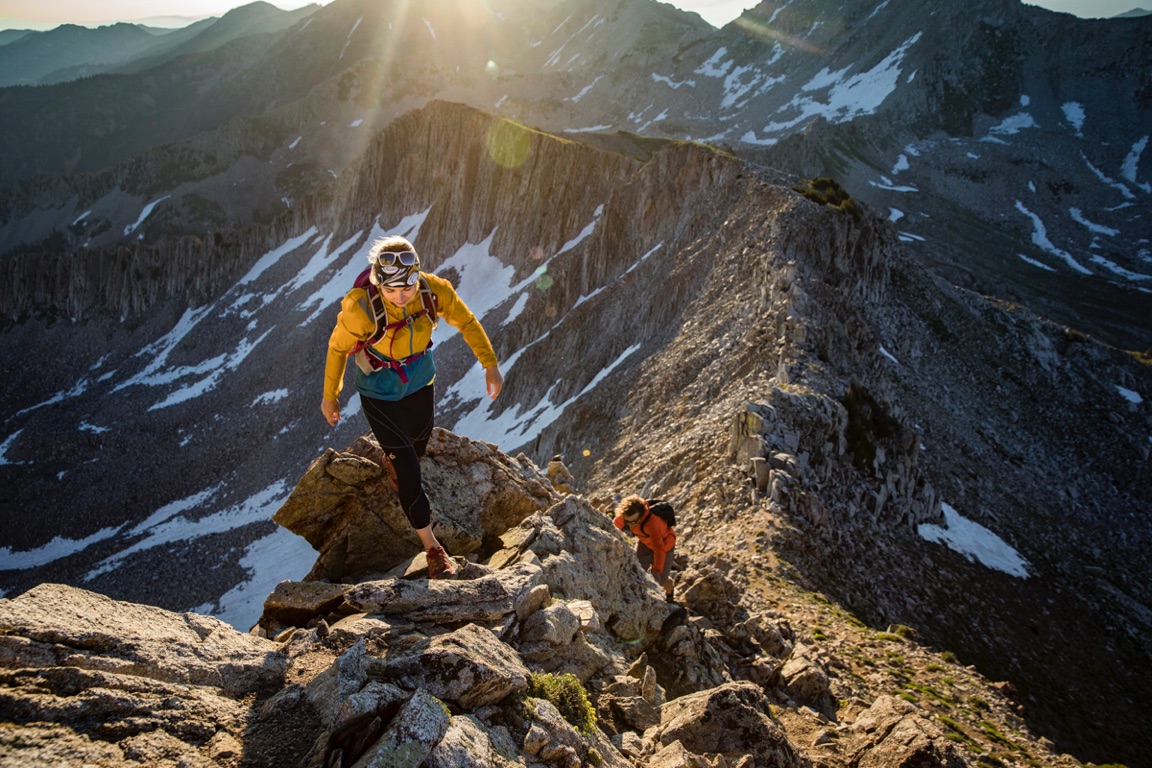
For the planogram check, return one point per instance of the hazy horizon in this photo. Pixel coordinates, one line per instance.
(42, 15)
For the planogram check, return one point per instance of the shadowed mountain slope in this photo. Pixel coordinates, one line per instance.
(1004, 140)
(675, 323)
(550, 647)
(868, 332)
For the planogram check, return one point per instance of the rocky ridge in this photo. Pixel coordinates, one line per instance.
(373, 665)
(842, 413)
(996, 118)
(779, 368)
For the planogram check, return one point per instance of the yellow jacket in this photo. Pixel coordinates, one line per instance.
(355, 324)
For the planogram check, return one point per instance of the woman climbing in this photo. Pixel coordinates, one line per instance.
(385, 323)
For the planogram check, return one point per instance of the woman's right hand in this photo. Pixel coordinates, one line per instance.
(331, 411)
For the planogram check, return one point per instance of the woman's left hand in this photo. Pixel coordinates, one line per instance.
(494, 381)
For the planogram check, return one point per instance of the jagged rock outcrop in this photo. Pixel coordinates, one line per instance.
(133, 639)
(130, 280)
(682, 294)
(401, 671)
(345, 506)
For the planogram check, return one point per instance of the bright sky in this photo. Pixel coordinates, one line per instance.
(45, 14)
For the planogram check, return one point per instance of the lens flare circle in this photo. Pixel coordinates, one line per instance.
(508, 144)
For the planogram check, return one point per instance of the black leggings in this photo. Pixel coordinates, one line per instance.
(402, 427)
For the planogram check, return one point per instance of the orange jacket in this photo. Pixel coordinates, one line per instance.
(653, 533)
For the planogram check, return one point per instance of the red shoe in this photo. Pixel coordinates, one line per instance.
(440, 566)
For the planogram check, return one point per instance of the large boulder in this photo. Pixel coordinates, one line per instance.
(732, 719)
(87, 680)
(347, 509)
(585, 557)
(893, 732)
(57, 625)
(468, 668)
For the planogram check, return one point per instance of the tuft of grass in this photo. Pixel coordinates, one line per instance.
(1074, 336)
(949, 657)
(950, 723)
(932, 693)
(568, 695)
(993, 733)
(978, 702)
(827, 191)
(1144, 357)
(904, 631)
(955, 732)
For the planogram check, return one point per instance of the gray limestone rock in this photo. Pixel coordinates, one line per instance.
(348, 511)
(467, 668)
(66, 626)
(731, 719)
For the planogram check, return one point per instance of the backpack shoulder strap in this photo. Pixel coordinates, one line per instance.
(376, 309)
(380, 312)
(430, 301)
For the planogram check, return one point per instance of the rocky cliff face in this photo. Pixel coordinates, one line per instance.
(683, 324)
(550, 647)
(823, 410)
(1006, 140)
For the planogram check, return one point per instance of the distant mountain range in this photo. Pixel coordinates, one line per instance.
(70, 52)
(1004, 111)
(897, 253)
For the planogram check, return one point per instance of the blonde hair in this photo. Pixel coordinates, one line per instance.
(632, 506)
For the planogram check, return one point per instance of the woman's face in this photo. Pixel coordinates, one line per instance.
(399, 296)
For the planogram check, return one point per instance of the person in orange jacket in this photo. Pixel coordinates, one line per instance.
(655, 539)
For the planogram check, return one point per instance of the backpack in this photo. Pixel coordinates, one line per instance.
(368, 363)
(427, 298)
(664, 511)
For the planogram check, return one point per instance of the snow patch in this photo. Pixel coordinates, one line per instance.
(268, 398)
(54, 550)
(144, 214)
(1074, 114)
(1040, 239)
(348, 40)
(1132, 163)
(975, 542)
(1129, 395)
(848, 97)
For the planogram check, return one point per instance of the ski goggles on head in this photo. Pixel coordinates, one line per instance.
(395, 276)
(395, 269)
(392, 258)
